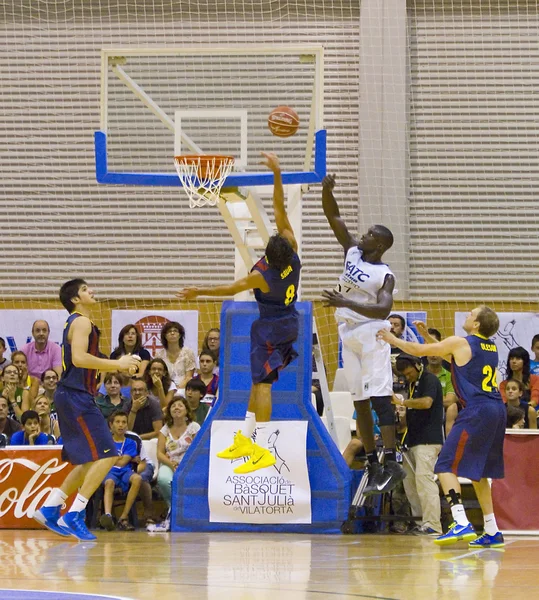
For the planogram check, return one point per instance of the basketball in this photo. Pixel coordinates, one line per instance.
(283, 121)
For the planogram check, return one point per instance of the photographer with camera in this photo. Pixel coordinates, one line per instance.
(422, 442)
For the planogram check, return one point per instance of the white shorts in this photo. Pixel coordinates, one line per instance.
(366, 360)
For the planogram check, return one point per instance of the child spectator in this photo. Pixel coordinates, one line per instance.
(30, 435)
(534, 364)
(208, 361)
(48, 423)
(195, 390)
(113, 399)
(26, 381)
(130, 342)
(158, 380)
(8, 426)
(174, 439)
(17, 397)
(121, 475)
(518, 367)
(4, 362)
(514, 391)
(179, 359)
(515, 417)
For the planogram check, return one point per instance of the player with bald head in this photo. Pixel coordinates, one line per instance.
(363, 299)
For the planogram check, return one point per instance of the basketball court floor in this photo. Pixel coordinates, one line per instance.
(219, 566)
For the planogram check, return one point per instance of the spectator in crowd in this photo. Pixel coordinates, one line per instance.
(355, 449)
(145, 467)
(435, 366)
(212, 341)
(534, 364)
(112, 400)
(42, 354)
(423, 441)
(179, 359)
(130, 342)
(398, 327)
(121, 475)
(518, 367)
(195, 390)
(29, 435)
(145, 415)
(514, 391)
(207, 362)
(49, 383)
(26, 381)
(515, 417)
(4, 362)
(48, 423)
(8, 426)
(174, 440)
(18, 398)
(158, 381)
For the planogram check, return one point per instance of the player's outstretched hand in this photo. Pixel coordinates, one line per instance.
(271, 161)
(421, 329)
(386, 336)
(328, 183)
(187, 293)
(333, 298)
(129, 363)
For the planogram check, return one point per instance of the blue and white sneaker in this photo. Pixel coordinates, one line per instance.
(488, 541)
(48, 516)
(456, 533)
(74, 523)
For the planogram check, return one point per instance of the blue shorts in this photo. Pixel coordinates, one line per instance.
(272, 346)
(86, 435)
(474, 447)
(120, 477)
(147, 474)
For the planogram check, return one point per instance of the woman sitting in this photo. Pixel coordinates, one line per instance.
(158, 381)
(112, 400)
(49, 383)
(48, 423)
(130, 342)
(17, 397)
(518, 368)
(26, 382)
(179, 359)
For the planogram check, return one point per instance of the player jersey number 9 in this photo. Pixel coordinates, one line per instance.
(489, 381)
(290, 294)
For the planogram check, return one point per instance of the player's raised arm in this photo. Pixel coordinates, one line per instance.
(281, 217)
(331, 210)
(253, 281)
(451, 346)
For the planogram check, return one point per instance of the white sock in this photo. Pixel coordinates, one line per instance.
(249, 424)
(56, 498)
(79, 503)
(262, 434)
(491, 527)
(459, 515)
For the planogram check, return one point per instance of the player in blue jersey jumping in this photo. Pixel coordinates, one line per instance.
(474, 447)
(275, 280)
(87, 440)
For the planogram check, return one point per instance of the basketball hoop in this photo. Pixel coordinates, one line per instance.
(203, 176)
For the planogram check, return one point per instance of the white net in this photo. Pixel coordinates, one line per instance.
(431, 117)
(203, 177)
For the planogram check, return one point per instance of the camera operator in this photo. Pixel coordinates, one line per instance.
(423, 441)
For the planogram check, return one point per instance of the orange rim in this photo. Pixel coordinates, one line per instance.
(203, 162)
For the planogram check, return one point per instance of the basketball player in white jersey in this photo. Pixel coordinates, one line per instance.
(364, 298)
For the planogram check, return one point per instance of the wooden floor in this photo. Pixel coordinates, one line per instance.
(270, 567)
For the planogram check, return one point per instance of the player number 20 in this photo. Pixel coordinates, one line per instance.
(290, 293)
(489, 380)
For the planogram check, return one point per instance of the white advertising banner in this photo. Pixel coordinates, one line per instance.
(516, 329)
(150, 322)
(16, 326)
(277, 494)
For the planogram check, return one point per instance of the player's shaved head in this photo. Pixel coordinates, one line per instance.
(384, 236)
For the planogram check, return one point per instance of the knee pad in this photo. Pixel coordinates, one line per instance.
(384, 409)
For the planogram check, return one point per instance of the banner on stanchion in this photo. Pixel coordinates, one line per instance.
(277, 494)
(27, 476)
(150, 323)
(16, 326)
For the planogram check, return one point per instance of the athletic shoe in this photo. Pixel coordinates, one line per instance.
(393, 474)
(424, 531)
(488, 541)
(48, 516)
(376, 479)
(456, 533)
(106, 521)
(260, 459)
(163, 527)
(242, 446)
(74, 523)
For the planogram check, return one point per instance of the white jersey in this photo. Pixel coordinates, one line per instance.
(360, 281)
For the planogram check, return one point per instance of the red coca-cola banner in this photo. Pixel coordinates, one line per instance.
(27, 475)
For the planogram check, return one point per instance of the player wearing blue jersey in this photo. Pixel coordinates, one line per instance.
(87, 441)
(275, 280)
(474, 447)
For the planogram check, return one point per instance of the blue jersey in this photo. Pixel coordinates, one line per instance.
(475, 381)
(283, 288)
(77, 378)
